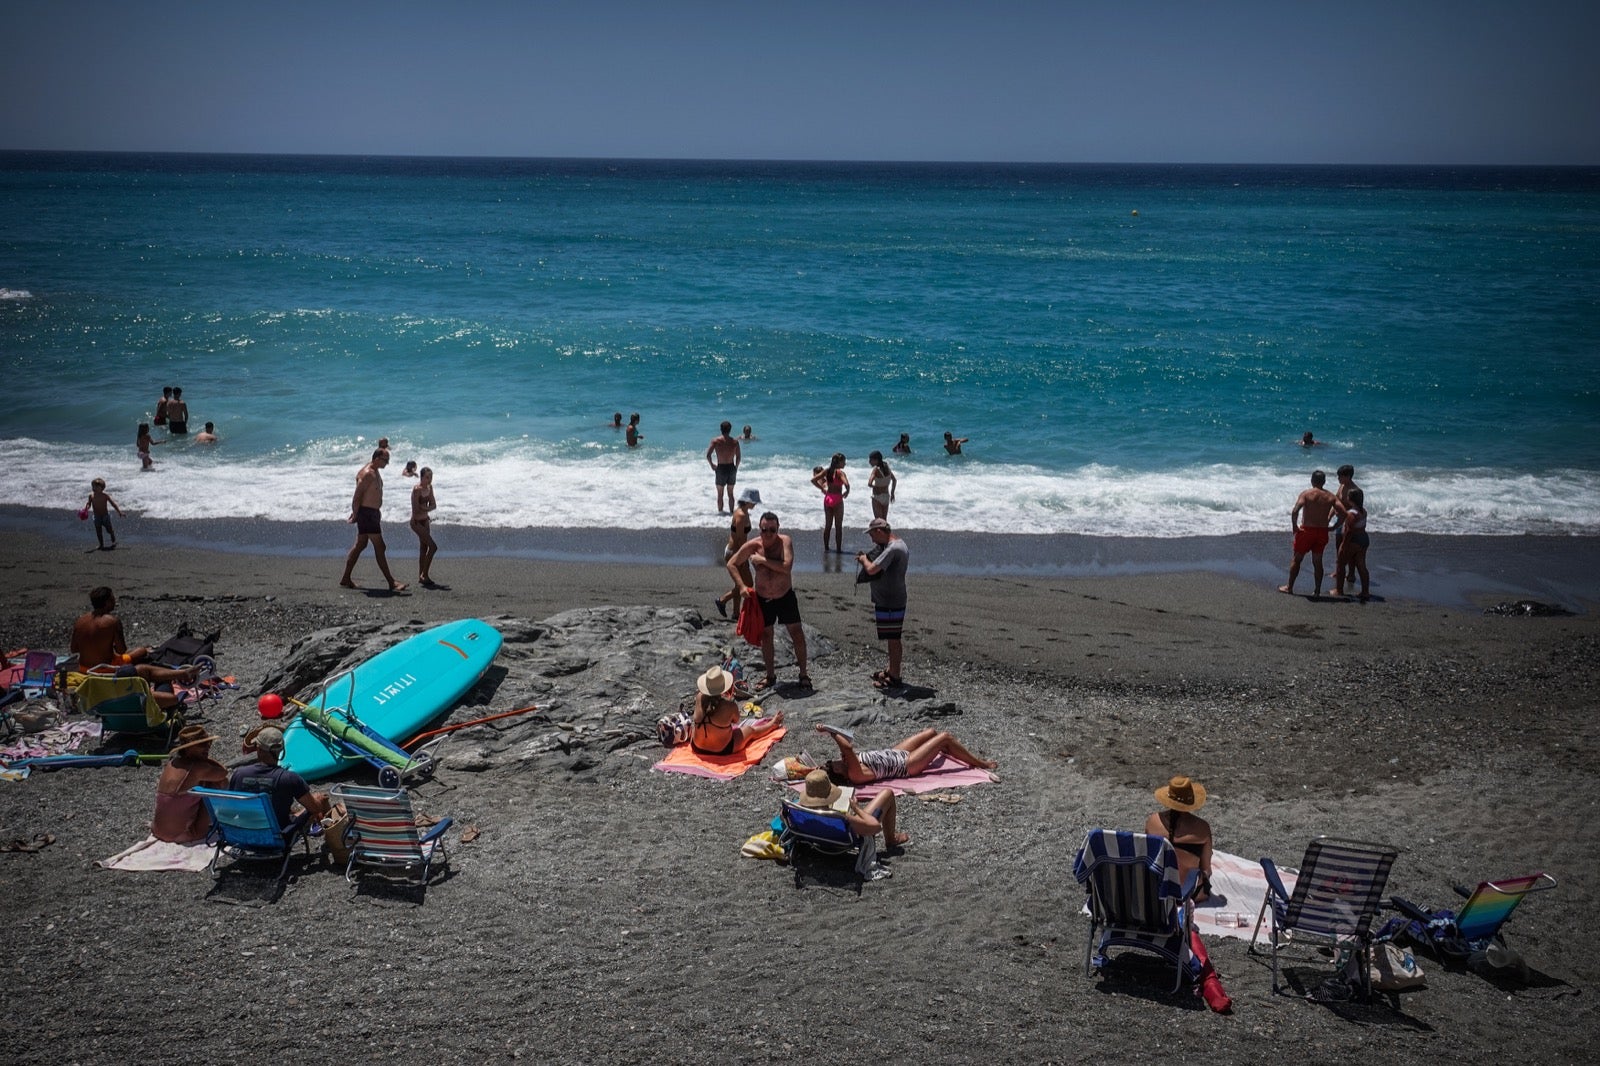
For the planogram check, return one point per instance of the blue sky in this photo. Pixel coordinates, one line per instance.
(1403, 81)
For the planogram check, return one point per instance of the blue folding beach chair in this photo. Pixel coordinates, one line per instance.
(827, 832)
(244, 827)
(1136, 899)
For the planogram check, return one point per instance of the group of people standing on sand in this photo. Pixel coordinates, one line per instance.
(1309, 520)
(366, 514)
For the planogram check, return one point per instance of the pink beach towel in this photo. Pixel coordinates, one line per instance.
(685, 760)
(940, 773)
(152, 855)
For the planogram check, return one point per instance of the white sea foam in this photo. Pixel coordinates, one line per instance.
(15, 294)
(521, 483)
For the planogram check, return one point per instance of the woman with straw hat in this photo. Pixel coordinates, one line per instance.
(878, 816)
(180, 816)
(1189, 834)
(716, 729)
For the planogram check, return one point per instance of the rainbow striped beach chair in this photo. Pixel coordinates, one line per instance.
(1136, 899)
(1476, 927)
(383, 834)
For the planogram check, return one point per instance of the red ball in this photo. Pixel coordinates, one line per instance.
(270, 705)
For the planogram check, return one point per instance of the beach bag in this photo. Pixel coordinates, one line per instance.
(1395, 969)
(183, 648)
(752, 625)
(674, 729)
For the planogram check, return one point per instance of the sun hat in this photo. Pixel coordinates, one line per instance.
(1182, 794)
(878, 523)
(714, 682)
(750, 496)
(269, 739)
(191, 736)
(820, 792)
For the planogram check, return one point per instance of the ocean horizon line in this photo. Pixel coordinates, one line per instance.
(799, 162)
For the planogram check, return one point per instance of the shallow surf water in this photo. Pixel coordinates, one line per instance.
(1133, 351)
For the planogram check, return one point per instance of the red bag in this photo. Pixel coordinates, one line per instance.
(752, 623)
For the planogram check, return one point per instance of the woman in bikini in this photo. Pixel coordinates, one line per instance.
(1189, 834)
(728, 603)
(422, 504)
(908, 758)
(716, 729)
(882, 483)
(143, 443)
(835, 486)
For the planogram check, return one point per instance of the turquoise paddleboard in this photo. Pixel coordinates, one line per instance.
(396, 693)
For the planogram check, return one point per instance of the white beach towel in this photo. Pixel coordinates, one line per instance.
(1242, 886)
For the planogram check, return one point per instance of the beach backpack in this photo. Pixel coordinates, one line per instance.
(674, 729)
(183, 648)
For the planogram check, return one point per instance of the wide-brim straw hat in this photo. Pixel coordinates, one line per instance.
(714, 682)
(820, 791)
(191, 736)
(1182, 794)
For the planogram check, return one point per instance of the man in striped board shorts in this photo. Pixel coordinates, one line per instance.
(885, 570)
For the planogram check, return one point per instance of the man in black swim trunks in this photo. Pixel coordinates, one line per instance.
(770, 556)
(723, 457)
(366, 511)
(177, 413)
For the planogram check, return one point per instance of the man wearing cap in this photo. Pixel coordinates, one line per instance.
(180, 817)
(738, 534)
(878, 816)
(885, 567)
(283, 785)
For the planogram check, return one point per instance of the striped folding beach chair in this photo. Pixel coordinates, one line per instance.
(1136, 899)
(383, 834)
(1336, 896)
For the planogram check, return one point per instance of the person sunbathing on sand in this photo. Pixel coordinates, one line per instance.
(908, 758)
(716, 717)
(1189, 834)
(878, 816)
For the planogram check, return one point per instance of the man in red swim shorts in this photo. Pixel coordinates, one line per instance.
(1309, 520)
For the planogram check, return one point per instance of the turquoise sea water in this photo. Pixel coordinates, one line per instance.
(1133, 351)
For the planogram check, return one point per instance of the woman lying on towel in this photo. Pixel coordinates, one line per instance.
(906, 759)
(1189, 834)
(716, 729)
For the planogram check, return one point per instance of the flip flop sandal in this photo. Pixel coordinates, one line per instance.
(889, 682)
(881, 675)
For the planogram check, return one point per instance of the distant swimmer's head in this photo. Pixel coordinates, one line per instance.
(875, 458)
(1305, 442)
(211, 427)
(426, 474)
(1318, 478)
(905, 438)
(380, 457)
(616, 418)
(746, 432)
(727, 428)
(947, 435)
(411, 468)
(837, 461)
(167, 392)
(144, 429)
(177, 392)
(633, 419)
(1345, 472)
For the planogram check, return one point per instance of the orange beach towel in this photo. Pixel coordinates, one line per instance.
(685, 760)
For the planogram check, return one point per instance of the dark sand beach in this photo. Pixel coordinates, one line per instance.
(604, 914)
